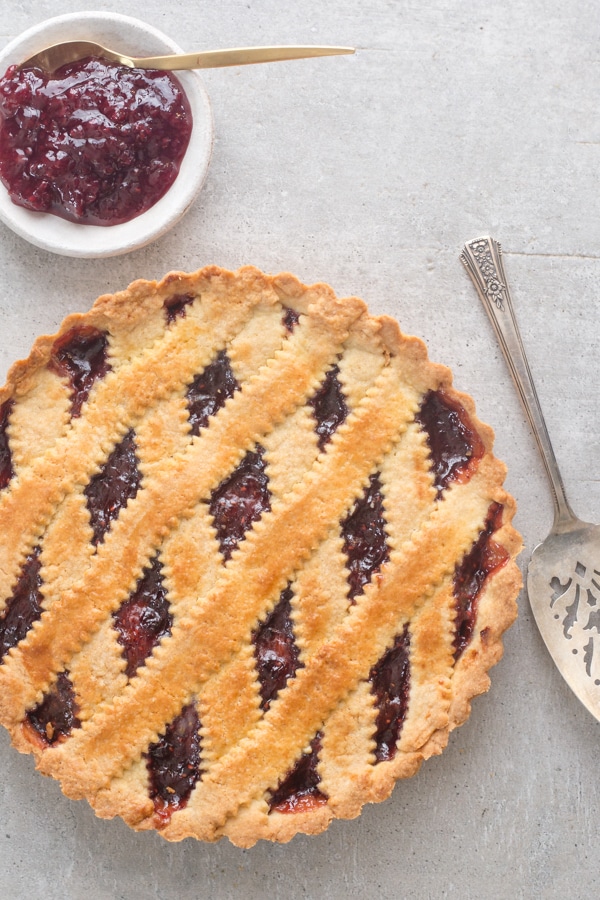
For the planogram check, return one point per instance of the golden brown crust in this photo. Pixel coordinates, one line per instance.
(208, 660)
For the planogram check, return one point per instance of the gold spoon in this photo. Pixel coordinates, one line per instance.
(58, 55)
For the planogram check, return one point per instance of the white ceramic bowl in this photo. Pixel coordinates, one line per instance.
(133, 37)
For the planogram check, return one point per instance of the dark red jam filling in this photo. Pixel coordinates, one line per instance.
(299, 790)
(275, 650)
(173, 764)
(290, 318)
(55, 717)
(117, 482)
(144, 619)
(209, 391)
(80, 355)
(6, 468)
(175, 306)
(365, 540)
(329, 407)
(454, 444)
(484, 558)
(93, 142)
(24, 606)
(390, 683)
(240, 500)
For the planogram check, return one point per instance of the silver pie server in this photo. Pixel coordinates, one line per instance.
(563, 577)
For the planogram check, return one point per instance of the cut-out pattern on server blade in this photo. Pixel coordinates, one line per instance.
(256, 557)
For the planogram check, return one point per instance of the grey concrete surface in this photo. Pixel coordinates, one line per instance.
(453, 119)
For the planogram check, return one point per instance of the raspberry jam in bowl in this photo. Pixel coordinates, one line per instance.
(94, 143)
(97, 159)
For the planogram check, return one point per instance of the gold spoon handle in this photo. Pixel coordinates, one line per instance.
(240, 56)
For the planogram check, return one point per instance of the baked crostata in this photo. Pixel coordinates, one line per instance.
(255, 558)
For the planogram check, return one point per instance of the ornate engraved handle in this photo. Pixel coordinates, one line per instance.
(482, 259)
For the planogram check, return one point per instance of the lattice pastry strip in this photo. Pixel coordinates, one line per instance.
(349, 747)
(301, 583)
(188, 569)
(40, 413)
